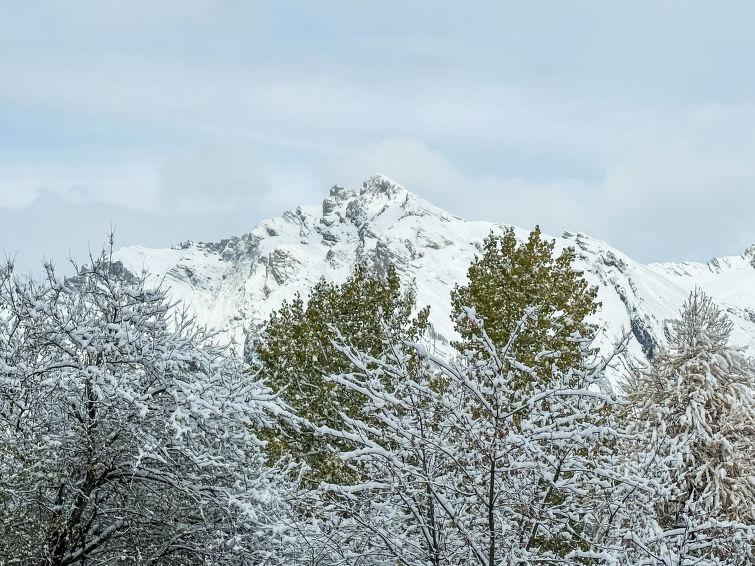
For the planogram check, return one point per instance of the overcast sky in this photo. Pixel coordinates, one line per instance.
(182, 119)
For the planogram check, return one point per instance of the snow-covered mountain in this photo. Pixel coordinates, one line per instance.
(234, 284)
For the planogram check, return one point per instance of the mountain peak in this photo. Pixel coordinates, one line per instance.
(379, 197)
(381, 185)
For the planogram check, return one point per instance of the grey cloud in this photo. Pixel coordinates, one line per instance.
(215, 175)
(672, 205)
(621, 120)
(55, 227)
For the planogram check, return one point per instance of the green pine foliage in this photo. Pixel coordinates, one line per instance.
(511, 277)
(295, 352)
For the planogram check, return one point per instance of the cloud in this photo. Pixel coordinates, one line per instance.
(621, 121)
(402, 158)
(57, 226)
(678, 203)
(14, 194)
(212, 175)
(431, 174)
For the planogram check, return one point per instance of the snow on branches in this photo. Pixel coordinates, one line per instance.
(465, 462)
(129, 435)
(695, 408)
(126, 432)
(461, 466)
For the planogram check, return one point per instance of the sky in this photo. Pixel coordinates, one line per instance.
(633, 122)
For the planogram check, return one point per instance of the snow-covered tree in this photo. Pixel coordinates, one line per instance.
(295, 351)
(126, 431)
(464, 468)
(695, 407)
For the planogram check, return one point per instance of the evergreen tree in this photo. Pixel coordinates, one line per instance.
(458, 474)
(696, 408)
(295, 351)
(511, 277)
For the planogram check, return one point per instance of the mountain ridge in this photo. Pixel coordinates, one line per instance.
(233, 285)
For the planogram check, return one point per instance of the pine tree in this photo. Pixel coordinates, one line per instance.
(458, 474)
(511, 277)
(295, 351)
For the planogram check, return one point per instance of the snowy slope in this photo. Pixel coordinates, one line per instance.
(234, 284)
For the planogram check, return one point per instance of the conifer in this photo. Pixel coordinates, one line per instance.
(695, 407)
(511, 277)
(295, 352)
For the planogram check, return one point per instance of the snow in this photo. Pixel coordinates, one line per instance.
(235, 287)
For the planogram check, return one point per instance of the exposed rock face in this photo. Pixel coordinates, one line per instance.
(750, 254)
(234, 284)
